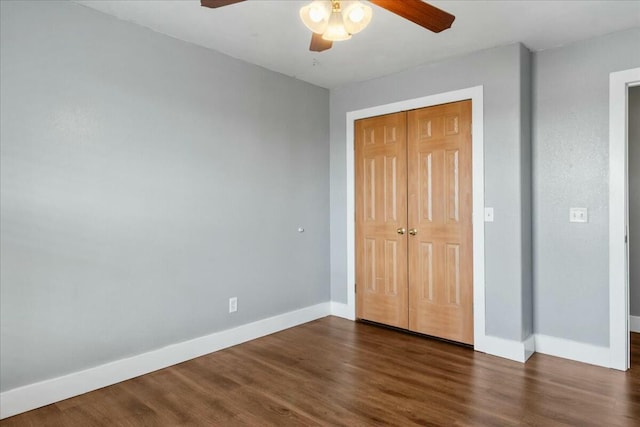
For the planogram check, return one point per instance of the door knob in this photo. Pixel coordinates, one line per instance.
(413, 231)
(400, 230)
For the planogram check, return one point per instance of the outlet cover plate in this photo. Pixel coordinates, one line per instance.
(578, 215)
(488, 214)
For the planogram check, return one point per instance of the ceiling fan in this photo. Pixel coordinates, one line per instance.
(335, 20)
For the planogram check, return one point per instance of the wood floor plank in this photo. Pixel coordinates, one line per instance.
(334, 372)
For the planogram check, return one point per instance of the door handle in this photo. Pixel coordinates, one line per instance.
(401, 230)
(413, 231)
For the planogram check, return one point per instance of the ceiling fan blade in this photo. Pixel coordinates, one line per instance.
(423, 14)
(218, 3)
(318, 44)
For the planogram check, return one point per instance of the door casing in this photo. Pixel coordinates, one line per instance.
(475, 94)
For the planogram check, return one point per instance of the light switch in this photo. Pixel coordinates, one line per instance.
(488, 214)
(578, 215)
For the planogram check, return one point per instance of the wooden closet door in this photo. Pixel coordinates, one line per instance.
(440, 221)
(381, 215)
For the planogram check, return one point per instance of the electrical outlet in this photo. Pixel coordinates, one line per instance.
(233, 305)
(578, 215)
(488, 214)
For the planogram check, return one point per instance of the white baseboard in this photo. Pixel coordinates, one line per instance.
(508, 349)
(578, 351)
(43, 393)
(513, 350)
(634, 323)
(529, 347)
(341, 310)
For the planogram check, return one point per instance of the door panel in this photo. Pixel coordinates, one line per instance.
(440, 210)
(381, 209)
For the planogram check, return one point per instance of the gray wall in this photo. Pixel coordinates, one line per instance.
(501, 72)
(634, 200)
(570, 169)
(144, 181)
(526, 201)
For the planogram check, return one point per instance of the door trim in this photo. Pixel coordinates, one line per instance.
(475, 94)
(619, 83)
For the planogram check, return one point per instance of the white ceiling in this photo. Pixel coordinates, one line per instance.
(270, 34)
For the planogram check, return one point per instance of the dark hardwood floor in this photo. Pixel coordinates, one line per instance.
(336, 372)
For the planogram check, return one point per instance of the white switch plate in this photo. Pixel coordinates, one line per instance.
(578, 215)
(488, 214)
(233, 305)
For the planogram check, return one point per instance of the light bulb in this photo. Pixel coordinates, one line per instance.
(356, 14)
(316, 14)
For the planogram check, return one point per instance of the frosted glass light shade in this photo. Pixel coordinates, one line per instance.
(335, 30)
(356, 16)
(315, 15)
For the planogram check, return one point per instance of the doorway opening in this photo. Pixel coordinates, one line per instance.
(619, 320)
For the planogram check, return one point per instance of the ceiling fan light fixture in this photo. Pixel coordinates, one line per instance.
(336, 20)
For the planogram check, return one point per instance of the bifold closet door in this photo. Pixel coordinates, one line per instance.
(440, 221)
(381, 219)
(414, 248)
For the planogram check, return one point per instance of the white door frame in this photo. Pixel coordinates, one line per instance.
(619, 83)
(475, 94)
